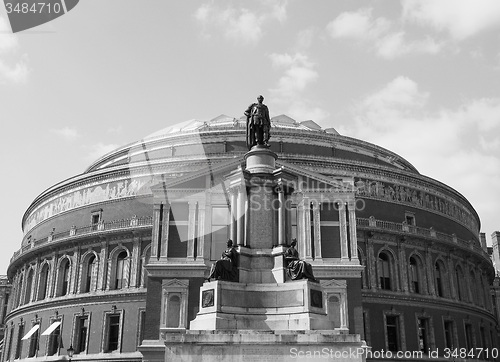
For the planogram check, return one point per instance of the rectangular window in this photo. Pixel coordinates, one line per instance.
(423, 334)
(392, 332)
(9, 347)
(142, 327)
(112, 332)
(220, 231)
(330, 230)
(469, 342)
(54, 341)
(178, 230)
(410, 218)
(81, 334)
(54, 336)
(34, 342)
(449, 334)
(19, 345)
(483, 337)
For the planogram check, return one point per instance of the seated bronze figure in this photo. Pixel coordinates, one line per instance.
(296, 268)
(226, 267)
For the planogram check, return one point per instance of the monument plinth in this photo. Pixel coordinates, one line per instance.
(271, 306)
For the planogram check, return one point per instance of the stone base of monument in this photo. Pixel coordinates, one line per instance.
(260, 159)
(295, 305)
(275, 346)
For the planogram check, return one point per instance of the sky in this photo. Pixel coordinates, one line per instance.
(420, 78)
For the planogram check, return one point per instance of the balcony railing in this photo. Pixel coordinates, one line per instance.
(131, 223)
(372, 223)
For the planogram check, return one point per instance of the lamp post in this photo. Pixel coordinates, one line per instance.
(70, 351)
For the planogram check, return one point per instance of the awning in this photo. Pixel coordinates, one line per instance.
(32, 330)
(51, 328)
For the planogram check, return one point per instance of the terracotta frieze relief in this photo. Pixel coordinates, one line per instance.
(411, 196)
(84, 196)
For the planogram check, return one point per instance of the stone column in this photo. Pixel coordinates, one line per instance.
(191, 229)
(371, 264)
(74, 271)
(103, 262)
(281, 215)
(234, 208)
(52, 276)
(240, 216)
(429, 272)
(317, 230)
(155, 237)
(344, 251)
(165, 229)
(352, 230)
(34, 283)
(201, 231)
(135, 273)
(306, 229)
(451, 278)
(401, 268)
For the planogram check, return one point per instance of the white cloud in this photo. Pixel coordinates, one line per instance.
(380, 35)
(460, 147)
(358, 25)
(14, 74)
(8, 41)
(290, 92)
(98, 150)
(239, 24)
(67, 133)
(298, 73)
(11, 73)
(460, 18)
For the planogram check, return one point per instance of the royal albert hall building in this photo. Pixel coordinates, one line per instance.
(115, 257)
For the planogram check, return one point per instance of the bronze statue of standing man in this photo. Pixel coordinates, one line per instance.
(258, 124)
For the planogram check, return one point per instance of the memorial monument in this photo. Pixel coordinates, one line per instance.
(261, 299)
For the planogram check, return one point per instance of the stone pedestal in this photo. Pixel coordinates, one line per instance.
(275, 346)
(296, 305)
(260, 159)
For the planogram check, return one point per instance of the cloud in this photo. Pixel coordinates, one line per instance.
(17, 72)
(98, 150)
(299, 72)
(239, 24)
(67, 133)
(8, 41)
(460, 18)
(460, 147)
(358, 25)
(380, 35)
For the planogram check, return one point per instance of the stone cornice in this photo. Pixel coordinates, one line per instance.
(422, 301)
(82, 299)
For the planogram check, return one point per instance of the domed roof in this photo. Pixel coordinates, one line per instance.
(224, 130)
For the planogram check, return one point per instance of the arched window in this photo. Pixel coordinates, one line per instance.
(89, 273)
(473, 288)
(384, 271)
(459, 278)
(19, 289)
(29, 285)
(415, 285)
(43, 283)
(120, 277)
(64, 278)
(440, 278)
